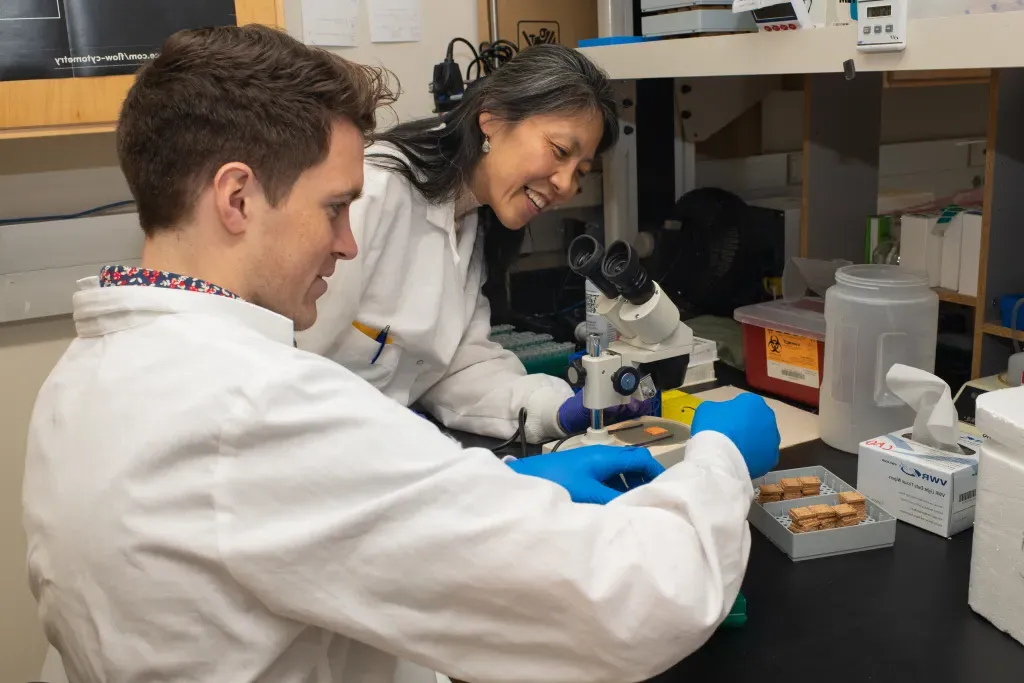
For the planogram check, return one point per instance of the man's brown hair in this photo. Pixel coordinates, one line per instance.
(249, 94)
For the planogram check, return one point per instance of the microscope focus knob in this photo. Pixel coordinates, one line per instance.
(576, 374)
(625, 380)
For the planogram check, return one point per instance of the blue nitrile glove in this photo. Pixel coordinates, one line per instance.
(749, 423)
(574, 417)
(591, 473)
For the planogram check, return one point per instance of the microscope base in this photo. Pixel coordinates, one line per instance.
(666, 439)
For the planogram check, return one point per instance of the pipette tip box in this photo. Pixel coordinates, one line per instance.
(772, 519)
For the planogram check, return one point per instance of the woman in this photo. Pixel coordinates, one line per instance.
(408, 314)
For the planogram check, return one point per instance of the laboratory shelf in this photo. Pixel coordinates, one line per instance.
(952, 297)
(996, 329)
(979, 41)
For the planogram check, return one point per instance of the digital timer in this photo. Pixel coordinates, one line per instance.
(881, 25)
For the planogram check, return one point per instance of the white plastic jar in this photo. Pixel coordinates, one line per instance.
(875, 316)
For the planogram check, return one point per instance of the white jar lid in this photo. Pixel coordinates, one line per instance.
(878, 276)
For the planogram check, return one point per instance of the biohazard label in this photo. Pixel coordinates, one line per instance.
(792, 358)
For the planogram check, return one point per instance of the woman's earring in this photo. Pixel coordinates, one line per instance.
(487, 145)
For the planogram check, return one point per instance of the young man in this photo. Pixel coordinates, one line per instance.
(206, 503)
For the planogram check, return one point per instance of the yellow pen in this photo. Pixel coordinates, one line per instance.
(372, 333)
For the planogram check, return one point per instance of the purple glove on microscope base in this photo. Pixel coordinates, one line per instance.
(574, 417)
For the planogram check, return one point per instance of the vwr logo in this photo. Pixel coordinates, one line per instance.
(921, 475)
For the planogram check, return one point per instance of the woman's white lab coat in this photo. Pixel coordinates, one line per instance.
(203, 502)
(420, 272)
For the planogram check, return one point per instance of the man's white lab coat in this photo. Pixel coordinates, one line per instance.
(420, 272)
(206, 503)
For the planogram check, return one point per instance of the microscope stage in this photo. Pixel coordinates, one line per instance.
(665, 439)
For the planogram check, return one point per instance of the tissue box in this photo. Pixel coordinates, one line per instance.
(921, 485)
(997, 591)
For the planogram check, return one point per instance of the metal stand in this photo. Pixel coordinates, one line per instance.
(493, 6)
(614, 18)
(620, 172)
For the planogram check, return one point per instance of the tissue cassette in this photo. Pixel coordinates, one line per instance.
(920, 485)
(872, 528)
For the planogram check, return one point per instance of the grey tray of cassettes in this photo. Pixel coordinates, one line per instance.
(772, 519)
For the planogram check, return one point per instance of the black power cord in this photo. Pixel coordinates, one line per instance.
(450, 55)
(519, 434)
(447, 84)
(492, 57)
(561, 442)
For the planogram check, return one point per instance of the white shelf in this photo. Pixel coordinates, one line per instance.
(977, 41)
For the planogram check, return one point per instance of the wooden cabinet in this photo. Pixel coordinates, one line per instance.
(913, 79)
(89, 105)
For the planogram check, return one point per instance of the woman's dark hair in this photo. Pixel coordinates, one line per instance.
(543, 79)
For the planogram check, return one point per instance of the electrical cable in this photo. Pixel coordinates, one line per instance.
(1013, 324)
(520, 434)
(561, 442)
(507, 43)
(492, 56)
(451, 48)
(66, 217)
(448, 85)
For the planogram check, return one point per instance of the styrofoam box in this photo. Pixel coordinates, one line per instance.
(952, 241)
(699, 374)
(997, 558)
(970, 252)
(772, 519)
(921, 246)
(704, 351)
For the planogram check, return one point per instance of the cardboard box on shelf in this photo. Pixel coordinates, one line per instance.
(529, 22)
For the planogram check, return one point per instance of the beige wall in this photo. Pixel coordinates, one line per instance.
(36, 177)
(73, 173)
(27, 352)
(412, 63)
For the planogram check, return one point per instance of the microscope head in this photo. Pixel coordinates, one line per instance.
(636, 305)
(652, 336)
(586, 259)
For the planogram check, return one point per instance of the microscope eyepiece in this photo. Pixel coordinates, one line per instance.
(585, 257)
(622, 268)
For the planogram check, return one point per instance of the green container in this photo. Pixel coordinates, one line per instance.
(547, 365)
(738, 615)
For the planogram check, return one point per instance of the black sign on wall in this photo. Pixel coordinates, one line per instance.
(75, 38)
(537, 33)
